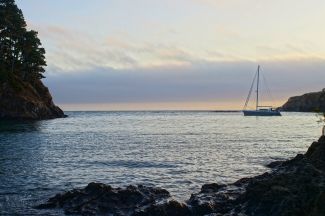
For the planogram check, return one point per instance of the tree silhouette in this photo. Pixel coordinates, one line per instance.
(21, 52)
(33, 57)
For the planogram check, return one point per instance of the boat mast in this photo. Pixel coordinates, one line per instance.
(258, 85)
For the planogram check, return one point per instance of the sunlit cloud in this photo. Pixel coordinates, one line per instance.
(183, 51)
(72, 51)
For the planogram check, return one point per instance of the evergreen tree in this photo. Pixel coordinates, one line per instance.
(21, 51)
(33, 57)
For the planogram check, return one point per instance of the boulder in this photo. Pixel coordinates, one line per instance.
(101, 199)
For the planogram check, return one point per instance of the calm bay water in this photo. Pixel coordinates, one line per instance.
(179, 151)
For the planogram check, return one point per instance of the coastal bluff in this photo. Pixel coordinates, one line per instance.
(23, 96)
(309, 102)
(26, 101)
(293, 187)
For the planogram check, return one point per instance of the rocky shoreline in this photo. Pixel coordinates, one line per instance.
(292, 187)
(28, 102)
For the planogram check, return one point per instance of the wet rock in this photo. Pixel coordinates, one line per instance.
(274, 164)
(169, 207)
(101, 199)
(214, 187)
(214, 198)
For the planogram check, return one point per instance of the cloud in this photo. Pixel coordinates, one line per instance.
(118, 70)
(213, 82)
(72, 51)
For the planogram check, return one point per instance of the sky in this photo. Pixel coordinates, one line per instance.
(177, 54)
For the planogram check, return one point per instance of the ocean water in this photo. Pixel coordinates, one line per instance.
(179, 151)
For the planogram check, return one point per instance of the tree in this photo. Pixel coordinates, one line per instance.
(21, 51)
(12, 27)
(33, 57)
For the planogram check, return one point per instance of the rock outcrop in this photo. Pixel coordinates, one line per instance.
(293, 187)
(22, 65)
(24, 101)
(100, 199)
(310, 102)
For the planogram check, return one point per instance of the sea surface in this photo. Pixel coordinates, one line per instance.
(179, 151)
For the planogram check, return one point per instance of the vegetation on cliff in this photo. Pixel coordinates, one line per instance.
(22, 54)
(22, 62)
(310, 102)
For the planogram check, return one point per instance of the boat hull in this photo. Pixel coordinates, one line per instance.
(261, 113)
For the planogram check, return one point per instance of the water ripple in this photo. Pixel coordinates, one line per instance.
(178, 151)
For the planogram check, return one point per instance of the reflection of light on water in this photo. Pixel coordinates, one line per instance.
(179, 151)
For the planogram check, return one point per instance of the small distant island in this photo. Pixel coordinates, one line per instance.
(310, 102)
(22, 63)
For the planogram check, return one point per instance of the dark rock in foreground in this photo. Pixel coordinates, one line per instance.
(310, 102)
(27, 102)
(101, 199)
(294, 187)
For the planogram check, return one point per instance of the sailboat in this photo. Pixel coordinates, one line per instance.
(260, 110)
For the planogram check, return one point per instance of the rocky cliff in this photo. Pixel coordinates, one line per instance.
(22, 65)
(21, 100)
(310, 102)
(291, 188)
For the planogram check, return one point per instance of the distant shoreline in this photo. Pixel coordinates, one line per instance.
(170, 111)
(219, 111)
